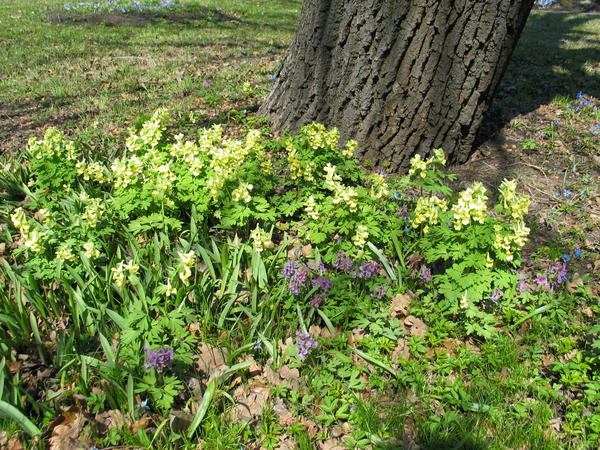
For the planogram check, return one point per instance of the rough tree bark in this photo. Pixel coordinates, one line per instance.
(400, 76)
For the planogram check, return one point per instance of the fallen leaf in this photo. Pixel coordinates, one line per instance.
(399, 305)
(416, 327)
(575, 282)
(140, 424)
(111, 420)
(323, 332)
(401, 350)
(210, 358)
(331, 444)
(250, 402)
(67, 431)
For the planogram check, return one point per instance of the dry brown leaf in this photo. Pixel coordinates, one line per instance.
(15, 443)
(575, 282)
(323, 332)
(210, 358)
(111, 420)
(2, 248)
(306, 250)
(180, 421)
(250, 401)
(416, 327)
(588, 312)
(14, 366)
(399, 305)
(332, 444)
(401, 350)
(67, 433)
(140, 424)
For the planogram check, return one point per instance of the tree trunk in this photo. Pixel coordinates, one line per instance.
(400, 77)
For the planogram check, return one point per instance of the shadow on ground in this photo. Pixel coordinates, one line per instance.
(182, 16)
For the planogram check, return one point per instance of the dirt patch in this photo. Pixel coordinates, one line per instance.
(182, 16)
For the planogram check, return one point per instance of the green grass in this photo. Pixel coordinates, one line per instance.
(100, 76)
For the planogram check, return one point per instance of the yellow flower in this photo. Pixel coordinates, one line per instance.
(90, 251)
(350, 147)
(261, 240)
(361, 236)
(471, 205)
(170, 290)
(311, 208)
(427, 211)
(242, 193)
(65, 253)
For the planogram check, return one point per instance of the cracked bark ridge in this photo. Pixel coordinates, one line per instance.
(401, 77)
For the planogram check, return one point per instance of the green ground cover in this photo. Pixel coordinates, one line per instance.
(225, 288)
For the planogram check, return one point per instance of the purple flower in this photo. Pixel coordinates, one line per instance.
(206, 83)
(425, 274)
(305, 344)
(562, 273)
(317, 300)
(321, 268)
(496, 295)
(343, 262)
(379, 292)
(522, 285)
(289, 269)
(541, 280)
(323, 282)
(368, 270)
(294, 288)
(158, 359)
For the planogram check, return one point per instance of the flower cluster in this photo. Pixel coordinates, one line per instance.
(297, 169)
(90, 251)
(242, 193)
(361, 236)
(305, 344)
(341, 193)
(159, 359)
(65, 253)
(368, 270)
(187, 262)
(54, 144)
(260, 239)
(343, 262)
(419, 166)
(319, 137)
(471, 205)
(311, 208)
(118, 273)
(296, 275)
(516, 206)
(92, 171)
(507, 243)
(379, 188)
(32, 238)
(93, 211)
(427, 211)
(323, 282)
(349, 148)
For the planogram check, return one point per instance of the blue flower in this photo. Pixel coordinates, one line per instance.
(566, 257)
(567, 193)
(577, 253)
(406, 229)
(580, 94)
(556, 122)
(273, 77)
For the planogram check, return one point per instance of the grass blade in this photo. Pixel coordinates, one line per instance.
(13, 413)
